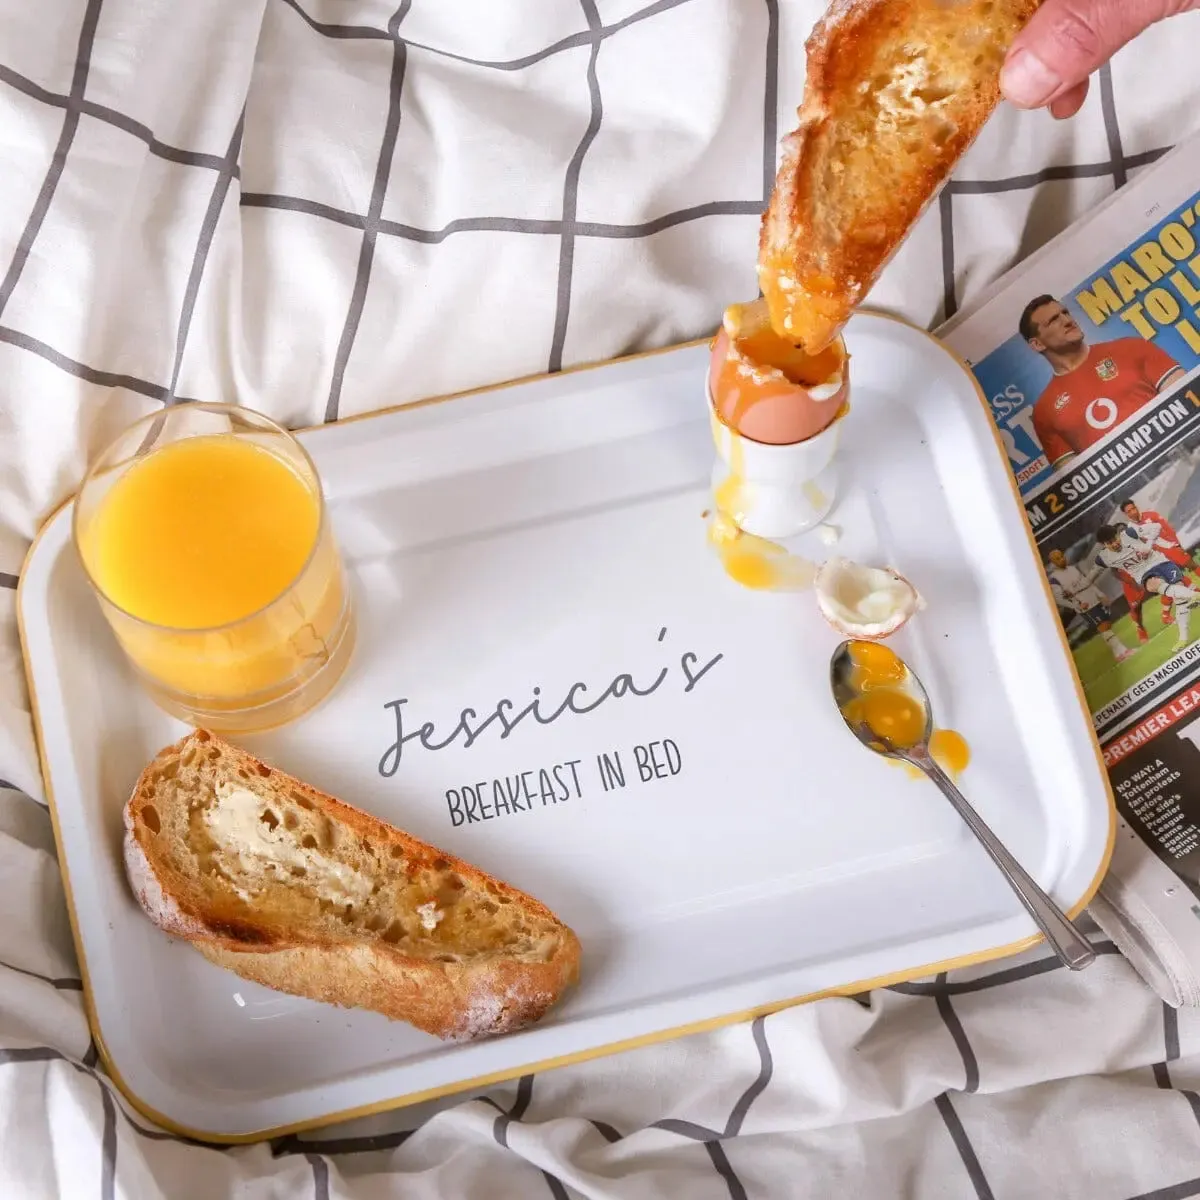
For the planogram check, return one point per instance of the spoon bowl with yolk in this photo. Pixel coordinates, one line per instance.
(880, 699)
(878, 693)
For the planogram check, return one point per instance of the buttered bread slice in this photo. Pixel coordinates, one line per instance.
(298, 891)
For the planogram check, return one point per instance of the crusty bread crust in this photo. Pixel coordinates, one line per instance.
(896, 92)
(454, 991)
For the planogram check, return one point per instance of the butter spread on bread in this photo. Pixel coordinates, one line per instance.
(896, 91)
(291, 888)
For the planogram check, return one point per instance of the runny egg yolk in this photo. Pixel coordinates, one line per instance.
(876, 666)
(766, 347)
(893, 716)
(950, 751)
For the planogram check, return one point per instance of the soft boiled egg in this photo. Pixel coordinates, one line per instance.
(768, 389)
(865, 602)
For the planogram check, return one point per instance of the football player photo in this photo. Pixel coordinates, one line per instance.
(1095, 387)
(1154, 529)
(1120, 548)
(1075, 590)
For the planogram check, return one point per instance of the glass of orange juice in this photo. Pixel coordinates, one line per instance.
(204, 532)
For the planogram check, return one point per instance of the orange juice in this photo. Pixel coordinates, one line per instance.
(220, 578)
(203, 532)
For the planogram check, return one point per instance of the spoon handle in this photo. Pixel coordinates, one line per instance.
(1070, 945)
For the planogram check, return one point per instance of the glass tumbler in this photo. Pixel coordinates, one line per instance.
(204, 533)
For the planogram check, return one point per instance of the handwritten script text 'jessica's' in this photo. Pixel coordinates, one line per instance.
(470, 725)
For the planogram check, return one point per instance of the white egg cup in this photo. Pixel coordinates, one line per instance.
(781, 491)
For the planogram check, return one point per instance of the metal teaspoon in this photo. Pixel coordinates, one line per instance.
(1072, 948)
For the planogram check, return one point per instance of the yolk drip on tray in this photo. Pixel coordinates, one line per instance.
(892, 713)
(752, 561)
(950, 751)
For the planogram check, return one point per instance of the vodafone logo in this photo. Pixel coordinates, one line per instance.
(1101, 413)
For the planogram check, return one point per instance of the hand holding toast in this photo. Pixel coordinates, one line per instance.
(1067, 40)
(896, 91)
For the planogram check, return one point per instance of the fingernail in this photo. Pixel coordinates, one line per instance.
(1027, 81)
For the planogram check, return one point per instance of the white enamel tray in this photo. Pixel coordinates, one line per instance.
(547, 535)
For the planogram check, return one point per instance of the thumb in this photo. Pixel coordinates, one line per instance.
(1066, 40)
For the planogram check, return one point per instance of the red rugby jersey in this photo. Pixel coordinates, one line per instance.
(1079, 408)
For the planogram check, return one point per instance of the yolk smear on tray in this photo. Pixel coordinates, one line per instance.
(754, 562)
(950, 751)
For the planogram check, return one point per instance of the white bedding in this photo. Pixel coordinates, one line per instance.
(194, 204)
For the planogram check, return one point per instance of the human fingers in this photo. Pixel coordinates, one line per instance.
(1066, 40)
(1070, 102)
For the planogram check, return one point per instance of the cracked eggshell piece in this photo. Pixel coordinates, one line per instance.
(865, 602)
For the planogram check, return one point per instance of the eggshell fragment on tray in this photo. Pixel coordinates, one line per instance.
(865, 602)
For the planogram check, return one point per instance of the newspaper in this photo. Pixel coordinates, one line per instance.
(1088, 354)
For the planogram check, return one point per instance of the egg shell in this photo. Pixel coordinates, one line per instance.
(871, 631)
(762, 404)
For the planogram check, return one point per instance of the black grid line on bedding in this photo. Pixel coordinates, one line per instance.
(1061, 174)
(557, 1188)
(63, 984)
(83, 56)
(1112, 126)
(364, 1144)
(1161, 1071)
(108, 1147)
(1028, 970)
(570, 204)
(110, 116)
(87, 1066)
(1176, 1191)
(110, 379)
(366, 254)
(320, 1170)
(770, 100)
(376, 1142)
(508, 1117)
(962, 1143)
(711, 1139)
(949, 285)
(724, 1168)
(520, 1106)
(954, 1027)
(208, 228)
(23, 795)
(536, 227)
(590, 36)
